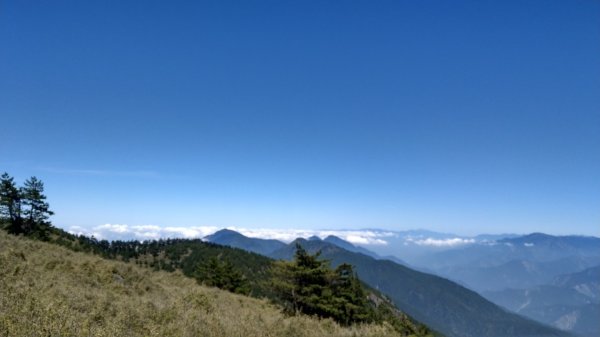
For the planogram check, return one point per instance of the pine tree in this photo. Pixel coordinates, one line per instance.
(10, 204)
(308, 285)
(36, 210)
(223, 275)
(24, 209)
(350, 295)
(311, 280)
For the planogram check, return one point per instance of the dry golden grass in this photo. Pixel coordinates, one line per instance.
(46, 290)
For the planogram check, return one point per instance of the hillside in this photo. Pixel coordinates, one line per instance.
(586, 282)
(570, 302)
(193, 258)
(46, 290)
(441, 304)
(514, 263)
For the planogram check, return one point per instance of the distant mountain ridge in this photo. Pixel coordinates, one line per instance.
(443, 305)
(570, 301)
(544, 277)
(410, 245)
(235, 239)
(518, 262)
(586, 282)
(349, 246)
(529, 264)
(231, 238)
(559, 245)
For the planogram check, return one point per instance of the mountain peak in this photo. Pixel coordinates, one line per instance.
(232, 238)
(222, 233)
(539, 236)
(563, 242)
(332, 238)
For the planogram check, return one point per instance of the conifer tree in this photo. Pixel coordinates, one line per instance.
(10, 204)
(350, 295)
(308, 285)
(24, 210)
(36, 210)
(223, 275)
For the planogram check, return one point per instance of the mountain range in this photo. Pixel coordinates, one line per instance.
(570, 302)
(523, 274)
(440, 303)
(508, 269)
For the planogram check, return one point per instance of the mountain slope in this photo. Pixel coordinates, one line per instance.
(519, 262)
(46, 290)
(207, 263)
(570, 302)
(231, 238)
(358, 249)
(558, 244)
(586, 282)
(443, 305)
(349, 246)
(535, 247)
(514, 274)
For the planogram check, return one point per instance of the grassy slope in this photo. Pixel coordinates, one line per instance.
(186, 255)
(46, 290)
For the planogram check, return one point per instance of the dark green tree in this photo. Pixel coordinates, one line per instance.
(350, 296)
(10, 204)
(301, 285)
(222, 274)
(308, 285)
(36, 211)
(36, 208)
(311, 278)
(24, 210)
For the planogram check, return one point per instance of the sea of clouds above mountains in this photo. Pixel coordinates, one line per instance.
(358, 237)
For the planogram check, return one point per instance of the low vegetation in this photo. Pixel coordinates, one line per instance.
(46, 290)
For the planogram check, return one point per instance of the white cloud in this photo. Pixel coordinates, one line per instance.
(359, 237)
(142, 232)
(528, 244)
(113, 228)
(451, 242)
(153, 232)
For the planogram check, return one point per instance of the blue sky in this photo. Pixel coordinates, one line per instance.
(461, 116)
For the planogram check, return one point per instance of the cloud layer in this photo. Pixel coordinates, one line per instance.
(357, 237)
(143, 232)
(152, 232)
(450, 242)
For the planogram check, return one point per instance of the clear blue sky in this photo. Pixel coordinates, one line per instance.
(458, 116)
